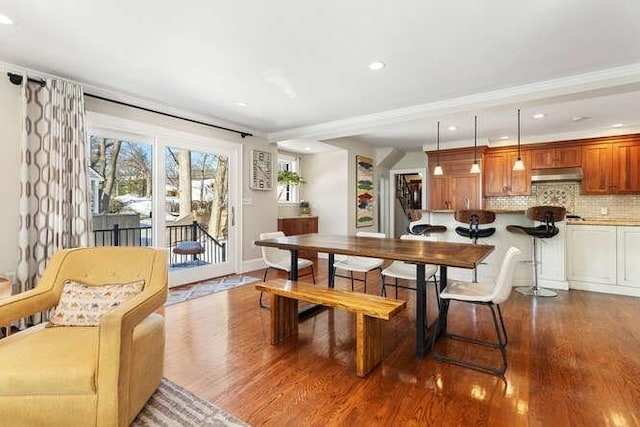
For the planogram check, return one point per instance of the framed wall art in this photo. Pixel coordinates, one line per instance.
(364, 192)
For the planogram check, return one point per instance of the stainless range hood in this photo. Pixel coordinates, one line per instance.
(557, 174)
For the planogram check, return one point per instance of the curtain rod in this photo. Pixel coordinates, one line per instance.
(126, 104)
(16, 79)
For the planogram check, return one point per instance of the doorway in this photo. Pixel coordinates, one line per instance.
(408, 195)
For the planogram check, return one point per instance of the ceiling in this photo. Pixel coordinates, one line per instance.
(302, 66)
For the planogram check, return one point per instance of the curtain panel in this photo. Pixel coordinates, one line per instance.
(54, 188)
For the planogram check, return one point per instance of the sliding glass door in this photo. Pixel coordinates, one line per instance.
(198, 211)
(167, 189)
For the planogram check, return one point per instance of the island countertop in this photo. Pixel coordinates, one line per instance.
(604, 221)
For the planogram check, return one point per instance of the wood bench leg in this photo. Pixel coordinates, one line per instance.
(368, 343)
(284, 318)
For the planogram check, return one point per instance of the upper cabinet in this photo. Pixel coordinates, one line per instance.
(597, 169)
(499, 177)
(559, 157)
(456, 188)
(611, 167)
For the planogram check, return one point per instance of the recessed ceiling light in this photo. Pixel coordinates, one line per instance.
(307, 148)
(242, 104)
(504, 137)
(5, 20)
(579, 118)
(452, 128)
(378, 65)
(617, 125)
(539, 115)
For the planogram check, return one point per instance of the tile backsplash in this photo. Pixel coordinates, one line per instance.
(568, 195)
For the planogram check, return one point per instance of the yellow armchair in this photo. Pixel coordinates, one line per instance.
(85, 375)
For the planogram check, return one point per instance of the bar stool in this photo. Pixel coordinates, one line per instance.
(474, 218)
(422, 227)
(548, 215)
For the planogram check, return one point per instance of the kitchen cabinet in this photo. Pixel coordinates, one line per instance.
(626, 167)
(456, 188)
(597, 169)
(557, 157)
(292, 226)
(591, 254)
(499, 177)
(628, 269)
(611, 168)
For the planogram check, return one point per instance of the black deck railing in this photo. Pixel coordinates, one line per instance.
(214, 251)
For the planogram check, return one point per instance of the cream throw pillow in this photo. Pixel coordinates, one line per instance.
(83, 305)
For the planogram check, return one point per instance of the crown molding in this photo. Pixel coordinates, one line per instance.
(131, 99)
(601, 80)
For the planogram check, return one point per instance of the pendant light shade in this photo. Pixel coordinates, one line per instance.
(519, 164)
(438, 169)
(475, 167)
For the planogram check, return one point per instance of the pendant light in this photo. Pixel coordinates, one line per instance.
(519, 164)
(475, 167)
(438, 169)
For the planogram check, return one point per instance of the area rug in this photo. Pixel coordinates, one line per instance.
(196, 290)
(171, 405)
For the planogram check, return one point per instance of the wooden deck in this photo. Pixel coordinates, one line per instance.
(573, 360)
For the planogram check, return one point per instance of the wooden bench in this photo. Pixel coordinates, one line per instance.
(370, 311)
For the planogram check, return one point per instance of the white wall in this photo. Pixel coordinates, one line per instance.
(412, 160)
(353, 149)
(327, 190)
(10, 135)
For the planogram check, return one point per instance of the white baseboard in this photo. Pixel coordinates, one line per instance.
(607, 289)
(252, 265)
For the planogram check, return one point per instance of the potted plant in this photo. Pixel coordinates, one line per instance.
(286, 178)
(305, 208)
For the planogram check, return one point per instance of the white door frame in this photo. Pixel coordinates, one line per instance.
(392, 192)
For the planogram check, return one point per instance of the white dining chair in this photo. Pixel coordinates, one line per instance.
(280, 259)
(399, 270)
(491, 294)
(359, 264)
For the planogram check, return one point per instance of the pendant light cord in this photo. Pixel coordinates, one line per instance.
(475, 139)
(518, 134)
(438, 144)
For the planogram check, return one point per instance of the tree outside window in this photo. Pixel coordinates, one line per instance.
(289, 179)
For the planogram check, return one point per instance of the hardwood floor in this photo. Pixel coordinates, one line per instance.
(573, 360)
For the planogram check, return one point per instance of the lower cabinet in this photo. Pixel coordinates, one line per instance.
(591, 253)
(628, 250)
(604, 258)
(299, 225)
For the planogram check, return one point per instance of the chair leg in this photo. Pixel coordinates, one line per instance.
(352, 280)
(264, 279)
(500, 344)
(396, 288)
(313, 276)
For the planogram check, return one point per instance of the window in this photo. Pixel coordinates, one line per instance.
(288, 193)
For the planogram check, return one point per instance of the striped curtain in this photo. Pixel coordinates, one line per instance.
(54, 188)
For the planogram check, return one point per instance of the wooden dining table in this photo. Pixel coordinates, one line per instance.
(418, 252)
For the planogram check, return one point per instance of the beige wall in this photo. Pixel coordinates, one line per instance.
(327, 190)
(10, 134)
(353, 149)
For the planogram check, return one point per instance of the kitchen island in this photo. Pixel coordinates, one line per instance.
(595, 254)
